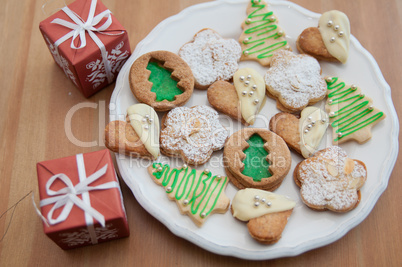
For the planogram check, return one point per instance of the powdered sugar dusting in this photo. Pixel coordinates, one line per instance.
(296, 78)
(195, 131)
(333, 189)
(211, 57)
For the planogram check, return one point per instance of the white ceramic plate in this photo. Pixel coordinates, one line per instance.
(306, 229)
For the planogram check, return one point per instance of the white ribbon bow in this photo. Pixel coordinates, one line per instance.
(67, 196)
(79, 27)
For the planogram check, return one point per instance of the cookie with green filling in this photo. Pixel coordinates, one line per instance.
(162, 80)
(256, 158)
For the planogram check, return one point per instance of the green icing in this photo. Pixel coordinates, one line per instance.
(198, 190)
(162, 84)
(255, 163)
(355, 115)
(265, 29)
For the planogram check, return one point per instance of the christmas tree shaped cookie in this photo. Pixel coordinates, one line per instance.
(351, 113)
(261, 35)
(197, 193)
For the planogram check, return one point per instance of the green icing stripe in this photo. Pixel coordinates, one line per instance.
(264, 26)
(255, 163)
(163, 85)
(344, 118)
(188, 185)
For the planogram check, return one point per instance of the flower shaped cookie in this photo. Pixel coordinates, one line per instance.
(211, 57)
(330, 180)
(295, 81)
(192, 133)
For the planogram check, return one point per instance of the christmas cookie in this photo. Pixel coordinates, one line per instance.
(256, 158)
(261, 35)
(330, 41)
(330, 180)
(303, 134)
(162, 80)
(246, 98)
(266, 213)
(211, 57)
(351, 113)
(192, 133)
(294, 81)
(138, 137)
(197, 193)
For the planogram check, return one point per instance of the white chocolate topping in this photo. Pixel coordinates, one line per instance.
(251, 203)
(334, 27)
(250, 87)
(145, 123)
(312, 126)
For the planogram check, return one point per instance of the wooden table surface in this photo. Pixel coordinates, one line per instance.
(35, 97)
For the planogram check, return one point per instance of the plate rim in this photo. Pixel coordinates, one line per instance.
(233, 250)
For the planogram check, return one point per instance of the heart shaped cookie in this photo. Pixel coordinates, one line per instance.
(241, 101)
(138, 136)
(303, 134)
(330, 41)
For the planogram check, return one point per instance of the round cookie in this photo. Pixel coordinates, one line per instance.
(162, 80)
(256, 158)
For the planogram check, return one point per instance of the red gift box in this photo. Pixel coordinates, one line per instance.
(88, 43)
(81, 202)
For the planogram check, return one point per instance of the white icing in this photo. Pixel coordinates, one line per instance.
(194, 131)
(244, 208)
(146, 129)
(338, 47)
(320, 187)
(311, 120)
(211, 57)
(296, 78)
(245, 85)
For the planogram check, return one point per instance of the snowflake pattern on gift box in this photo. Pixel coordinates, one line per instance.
(116, 60)
(82, 236)
(61, 61)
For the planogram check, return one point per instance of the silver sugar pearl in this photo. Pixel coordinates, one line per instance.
(330, 23)
(330, 101)
(313, 123)
(306, 131)
(241, 78)
(256, 101)
(248, 77)
(263, 200)
(280, 33)
(250, 93)
(353, 87)
(203, 215)
(245, 53)
(269, 204)
(159, 169)
(331, 114)
(256, 204)
(272, 18)
(323, 121)
(185, 202)
(328, 79)
(339, 134)
(254, 87)
(146, 127)
(246, 40)
(146, 116)
(248, 21)
(206, 171)
(371, 107)
(336, 27)
(168, 189)
(244, 93)
(246, 83)
(184, 166)
(332, 40)
(150, 121)
(309, 126)
(340, 33)
(144, 120)
(257, 197)
(218, 177)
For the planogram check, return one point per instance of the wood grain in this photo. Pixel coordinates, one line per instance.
(35, 98)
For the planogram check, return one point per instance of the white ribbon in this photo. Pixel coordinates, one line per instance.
(67, 196)
(79, 27)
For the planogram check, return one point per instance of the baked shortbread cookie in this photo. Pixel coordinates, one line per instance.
(266, 213)
(211, 57)
(330, 41)
(303, 134)
(330, 180)
(162, 80)
(256, 158)
(351, 113)
(294, 81)
(138, 137)
(197, 193)
(261, 35)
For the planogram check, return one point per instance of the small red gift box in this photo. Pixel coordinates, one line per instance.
(80, 200)
(88, 43)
